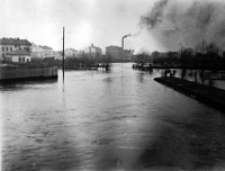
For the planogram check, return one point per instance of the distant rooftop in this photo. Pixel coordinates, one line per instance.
(71, 49)
(114, 46)
(15, 41)
(45, 47)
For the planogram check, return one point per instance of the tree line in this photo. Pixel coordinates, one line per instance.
(204, 54)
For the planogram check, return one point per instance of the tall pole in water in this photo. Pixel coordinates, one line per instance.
(180, 53)
(63, 55)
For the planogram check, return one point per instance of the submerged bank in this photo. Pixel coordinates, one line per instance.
(209, 95)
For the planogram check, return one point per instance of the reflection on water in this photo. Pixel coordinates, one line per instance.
(117, 120)
(13, 85)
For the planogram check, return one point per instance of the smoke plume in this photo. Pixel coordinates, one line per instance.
(188, 22)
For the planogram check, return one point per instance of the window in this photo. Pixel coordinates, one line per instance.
(28, 49)
(7, 49)
(10, 48)
(3, 49)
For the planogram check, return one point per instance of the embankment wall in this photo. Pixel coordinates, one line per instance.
(10, 73)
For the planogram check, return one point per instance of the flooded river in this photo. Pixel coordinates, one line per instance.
(116, 120)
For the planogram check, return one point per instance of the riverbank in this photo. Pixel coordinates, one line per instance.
(209, 95)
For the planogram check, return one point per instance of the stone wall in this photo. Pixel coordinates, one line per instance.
(7, 73)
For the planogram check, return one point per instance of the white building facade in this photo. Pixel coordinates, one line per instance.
(38, 51)
(93, 51)
(8, 45)
(18, 56)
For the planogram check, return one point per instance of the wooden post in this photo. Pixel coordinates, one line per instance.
(63, 55)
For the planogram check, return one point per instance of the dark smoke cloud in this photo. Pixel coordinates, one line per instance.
(175, 21)
(156, 14)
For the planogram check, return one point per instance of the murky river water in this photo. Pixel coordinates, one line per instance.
(116, 120)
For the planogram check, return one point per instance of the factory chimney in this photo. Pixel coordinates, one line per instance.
(123, 39)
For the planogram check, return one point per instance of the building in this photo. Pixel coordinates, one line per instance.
(118, 53)
(70, 52)
(8, 45)
(58, 55)
(20, 56)
(114, 52)
(128, 54)
(93, 51)
(42, 52)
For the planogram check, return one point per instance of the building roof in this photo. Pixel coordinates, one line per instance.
(17, 41)
(112, 46)
(18, 52)
(71, 49)
(45, 47)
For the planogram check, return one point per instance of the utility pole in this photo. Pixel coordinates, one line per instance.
(180, 52)
(63, 55)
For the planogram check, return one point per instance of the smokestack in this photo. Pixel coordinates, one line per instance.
(123, 39)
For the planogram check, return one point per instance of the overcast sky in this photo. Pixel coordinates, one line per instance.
(101, 22)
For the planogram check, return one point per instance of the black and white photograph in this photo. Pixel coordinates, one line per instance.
(112, 85)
